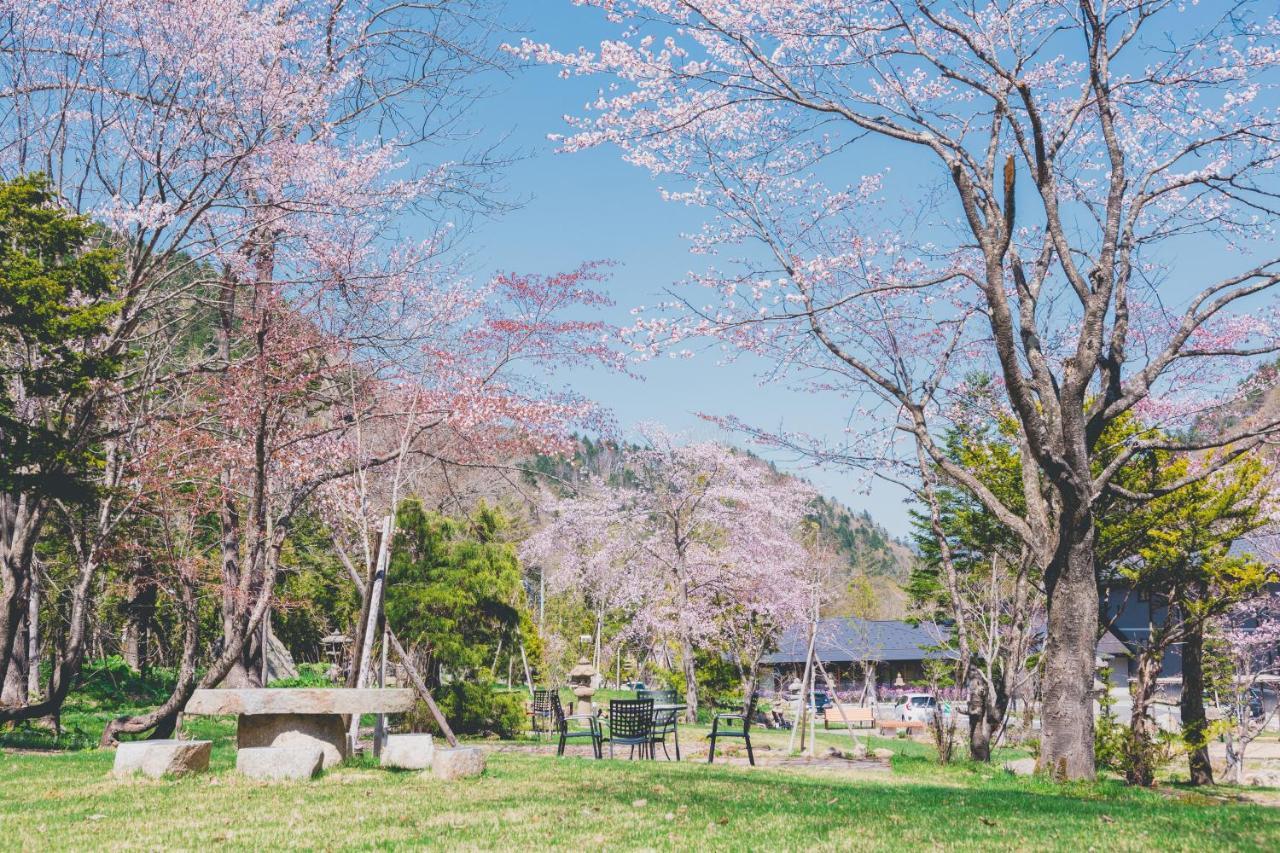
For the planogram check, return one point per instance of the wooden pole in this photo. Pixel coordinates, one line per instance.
(804, 697)
(524, 659)
(402, 656)
(836, 698)
(371, 625)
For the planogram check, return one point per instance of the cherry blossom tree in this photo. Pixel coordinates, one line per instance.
(258, 162)
(1062, 160)
(1251, 632)
(696, 545)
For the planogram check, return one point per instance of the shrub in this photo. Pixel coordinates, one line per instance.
(472, 709)
(309, 675)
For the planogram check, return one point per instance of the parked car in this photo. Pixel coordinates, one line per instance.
(918, 707)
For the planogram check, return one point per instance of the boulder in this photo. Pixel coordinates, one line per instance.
(1265, 779)
(280, 763)
(325, 732)
(451, 764)
(882, 754)
(1021, 767)
(156, 758)
(408, 752)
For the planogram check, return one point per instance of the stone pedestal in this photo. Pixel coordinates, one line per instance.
(156, 758)
(408, 752)
(279, 763)
(325, 732)
(451, 764)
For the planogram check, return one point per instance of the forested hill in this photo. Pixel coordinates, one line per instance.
(874, 567)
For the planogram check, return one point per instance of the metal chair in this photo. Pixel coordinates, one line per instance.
(735, 725)
(541, 710)
(664, 722)
(566, 734)
(631, 724)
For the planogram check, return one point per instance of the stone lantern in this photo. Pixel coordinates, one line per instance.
(582, 681)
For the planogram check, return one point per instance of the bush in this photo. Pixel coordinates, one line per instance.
(472, 709)
(309, 675)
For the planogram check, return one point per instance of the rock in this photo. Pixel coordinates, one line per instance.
(1021, 767)
(325, 732)
(301, 700)
(1265, 779)
(156, 758)
(882, 754)
(408, 752)
(450, 764)
(280, 763)
(856, 752)
(279, 661)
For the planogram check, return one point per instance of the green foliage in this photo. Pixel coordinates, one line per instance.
(112, 683)
(472, 708)
(309, 675)
(455, 589)
(57, 298)
(316, 596)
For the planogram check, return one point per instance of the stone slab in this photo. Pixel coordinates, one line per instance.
(1021, 767)
(408, 752)
(157, 758)
(459, 763)
(325, 732)
(279, 763)
(301, 700)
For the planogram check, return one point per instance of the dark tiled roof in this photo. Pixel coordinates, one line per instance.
(850, 639)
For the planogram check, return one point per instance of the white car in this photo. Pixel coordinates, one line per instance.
(916, 707)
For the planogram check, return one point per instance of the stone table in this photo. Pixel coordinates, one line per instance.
(298, 716)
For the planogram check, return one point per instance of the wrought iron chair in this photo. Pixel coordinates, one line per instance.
(566, 734)
(540, 713)
(631, 724)
(664, 722)
(734, 725)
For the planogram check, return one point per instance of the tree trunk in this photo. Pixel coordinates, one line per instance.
(979, 723)
(1140, 769)
(1195, 722)
(164, 718)
(139, 610)
(690, 680)
(1067, 693)
(14, 689)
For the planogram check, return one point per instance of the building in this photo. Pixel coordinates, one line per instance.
(845, 645)
(898, 650)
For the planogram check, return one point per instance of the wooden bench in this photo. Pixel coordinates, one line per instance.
(890, 728)
(855, 715)
(298, 716)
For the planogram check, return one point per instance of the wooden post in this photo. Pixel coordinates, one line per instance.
(524, 659)
(804, 693)
(371, 625)
(839, 708)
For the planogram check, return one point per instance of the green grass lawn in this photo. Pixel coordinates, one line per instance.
(67, 800)
(63, 798)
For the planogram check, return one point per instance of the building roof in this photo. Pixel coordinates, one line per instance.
(850, 639)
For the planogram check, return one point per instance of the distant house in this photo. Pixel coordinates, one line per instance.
(897, 649)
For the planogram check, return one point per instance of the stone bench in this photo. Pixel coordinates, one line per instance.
(280, 763)
(298, 716)
(156, 758)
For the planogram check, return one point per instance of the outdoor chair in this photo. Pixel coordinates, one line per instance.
(540, 712)
(562, 721)
(734, 725)
(631, 724)
(664, 722)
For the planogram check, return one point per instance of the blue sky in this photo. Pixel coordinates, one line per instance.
(593, 206)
